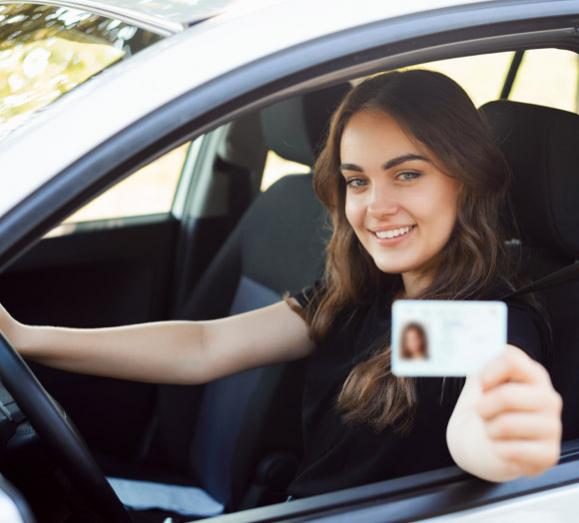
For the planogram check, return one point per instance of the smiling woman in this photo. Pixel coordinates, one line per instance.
(408, 156)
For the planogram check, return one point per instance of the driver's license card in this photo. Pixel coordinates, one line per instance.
(446, 338)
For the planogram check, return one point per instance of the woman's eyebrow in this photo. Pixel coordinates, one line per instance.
(393, 162)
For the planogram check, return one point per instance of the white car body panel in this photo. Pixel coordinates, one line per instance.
(552, 506)
(127, 92)
(9, 512)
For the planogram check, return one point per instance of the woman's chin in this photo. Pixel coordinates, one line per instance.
(394, 268)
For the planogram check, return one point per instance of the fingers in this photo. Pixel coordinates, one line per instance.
(530, 457)
(513, 365)
(524, 426)
(521, 413)
(517, 397)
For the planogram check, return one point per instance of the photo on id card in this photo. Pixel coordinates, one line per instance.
(446, 338)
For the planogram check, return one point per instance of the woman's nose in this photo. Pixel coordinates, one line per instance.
(381, 203)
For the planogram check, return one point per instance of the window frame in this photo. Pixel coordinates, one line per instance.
(186, 180)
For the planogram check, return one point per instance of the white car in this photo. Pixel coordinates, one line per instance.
(155, 159)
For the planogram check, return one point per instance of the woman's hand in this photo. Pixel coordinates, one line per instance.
(507, 421)
(521, 413)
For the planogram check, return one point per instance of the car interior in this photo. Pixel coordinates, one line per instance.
(236, 248)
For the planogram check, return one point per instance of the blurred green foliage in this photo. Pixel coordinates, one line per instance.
(45, 51)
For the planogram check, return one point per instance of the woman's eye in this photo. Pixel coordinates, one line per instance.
(407, 176)
(354, 182)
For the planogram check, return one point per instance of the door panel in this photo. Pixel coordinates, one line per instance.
(94, 279)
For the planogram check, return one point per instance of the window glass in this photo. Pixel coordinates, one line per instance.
(547, 77)
(150, 190)
(481, 76)
(276, 167)
(45, 51)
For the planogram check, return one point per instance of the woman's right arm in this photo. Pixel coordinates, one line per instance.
(176, 352)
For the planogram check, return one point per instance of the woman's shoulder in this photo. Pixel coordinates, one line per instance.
(344, 318)
(310, 294)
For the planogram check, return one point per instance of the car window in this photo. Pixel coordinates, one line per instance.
(46, 51)
(545, 76)
(150, 190)
(548, 77)
(481, 76)
(276, 167)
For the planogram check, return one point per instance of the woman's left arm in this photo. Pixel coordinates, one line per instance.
(507, 420)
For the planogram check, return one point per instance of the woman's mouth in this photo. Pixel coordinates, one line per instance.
(393, 236)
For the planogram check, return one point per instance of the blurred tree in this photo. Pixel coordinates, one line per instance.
(45, 51)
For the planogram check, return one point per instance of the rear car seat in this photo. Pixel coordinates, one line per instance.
(540, 144)
(245, 442)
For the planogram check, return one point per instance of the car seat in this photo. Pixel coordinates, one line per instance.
(244, 444)
(540, 144)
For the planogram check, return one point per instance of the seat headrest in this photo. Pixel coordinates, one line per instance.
(541, 145)
(295, 128)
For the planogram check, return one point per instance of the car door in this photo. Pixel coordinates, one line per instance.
(47, 52)
(132, 255)
(109, 264)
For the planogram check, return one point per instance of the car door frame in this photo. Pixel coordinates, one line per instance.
(327, 60)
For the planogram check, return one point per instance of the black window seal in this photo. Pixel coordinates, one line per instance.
(105, 224)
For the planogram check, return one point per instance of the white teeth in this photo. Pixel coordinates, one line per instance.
(394, 232)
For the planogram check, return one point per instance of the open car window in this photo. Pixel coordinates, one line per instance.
(543, 77)
(149, 191)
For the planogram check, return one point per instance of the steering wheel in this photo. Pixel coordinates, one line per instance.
(60, 436)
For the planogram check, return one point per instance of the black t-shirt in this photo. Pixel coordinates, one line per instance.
(339, 455)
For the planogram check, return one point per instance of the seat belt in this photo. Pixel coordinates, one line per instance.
(564, 275)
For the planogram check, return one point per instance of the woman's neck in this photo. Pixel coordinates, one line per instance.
(414, 283)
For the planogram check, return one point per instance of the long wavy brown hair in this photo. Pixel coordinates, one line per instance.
(435, 111)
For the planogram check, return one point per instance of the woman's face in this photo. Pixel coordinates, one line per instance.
(401, 206)
(414, 343)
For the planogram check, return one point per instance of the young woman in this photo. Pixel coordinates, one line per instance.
(415, 188)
